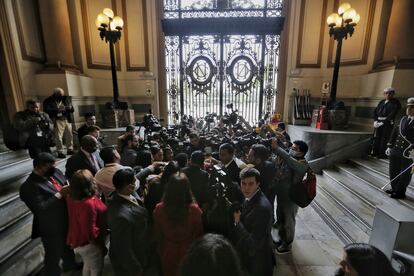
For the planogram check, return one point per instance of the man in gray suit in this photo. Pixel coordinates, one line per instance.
(128, 222)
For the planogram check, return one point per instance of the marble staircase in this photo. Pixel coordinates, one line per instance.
(19, 254)
(349, 193)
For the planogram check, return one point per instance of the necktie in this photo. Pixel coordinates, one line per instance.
(55, 184)
(94, 162)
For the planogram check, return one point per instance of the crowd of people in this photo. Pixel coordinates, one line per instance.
(159, 210)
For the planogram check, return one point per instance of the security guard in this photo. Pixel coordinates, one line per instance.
(384, 116)
(401, 152)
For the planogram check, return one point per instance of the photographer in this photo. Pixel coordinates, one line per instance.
(289, 172)
(60, 110)
(121, 141)
(35, 129)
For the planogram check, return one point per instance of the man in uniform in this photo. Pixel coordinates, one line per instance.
(384, 116)
(401, 152)
(60, 110)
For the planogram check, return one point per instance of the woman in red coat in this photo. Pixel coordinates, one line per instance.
(177, 221)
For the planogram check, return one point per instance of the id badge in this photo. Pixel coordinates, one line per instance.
(60, 114)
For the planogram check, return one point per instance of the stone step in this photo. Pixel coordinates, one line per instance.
(26, 261)
(357, 208)
(15, 237)
(377, 167)
(365, 185)
(345, 227)
(16, 224)
(8, 158)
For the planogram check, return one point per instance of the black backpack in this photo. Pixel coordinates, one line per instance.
(11, 138)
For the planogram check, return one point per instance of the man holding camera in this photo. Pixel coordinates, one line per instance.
(35, 129)
(60, 110)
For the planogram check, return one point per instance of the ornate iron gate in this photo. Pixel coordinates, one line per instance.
(206, 72)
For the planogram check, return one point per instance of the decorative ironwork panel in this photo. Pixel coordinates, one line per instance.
(222, 8)
(207, 72)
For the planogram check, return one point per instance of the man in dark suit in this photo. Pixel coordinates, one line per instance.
(128, 222)
(258, 156)
(252, 227)
(231, 165)
(90, 120)
(87, 158)
(44, 192)
(384, 116)
(198, 178)
(401, 152)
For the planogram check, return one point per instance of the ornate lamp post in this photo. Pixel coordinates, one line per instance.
(341, 25)
(110, 27)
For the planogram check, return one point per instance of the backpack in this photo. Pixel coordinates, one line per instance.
(11, 138)
(304, 192)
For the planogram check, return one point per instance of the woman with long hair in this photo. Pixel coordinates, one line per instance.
(177, 222)
(87, 222)
(218, 256)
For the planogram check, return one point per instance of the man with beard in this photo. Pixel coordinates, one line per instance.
(288, 173)
(90, 120)
(44, 192)
(60, 110)
(129, 153)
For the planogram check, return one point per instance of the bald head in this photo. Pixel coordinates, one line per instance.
(58, 92)
(89, 143)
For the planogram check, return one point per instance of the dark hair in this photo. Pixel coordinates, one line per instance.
(177, 198)
(123, 177)
(107, 154)
(31, 103)
(368, 260)
(260, 151)
(170, 169)
(281, 125)
(197, 158)
(250, 172)
(88, 115)
(144, 158)
(93, 128)
(227, 146)
(42, 159)
(155, 149)
(193, 135)
(82, 185)
(129, 127)
(210, 255)
(182, 159)
(303, 147)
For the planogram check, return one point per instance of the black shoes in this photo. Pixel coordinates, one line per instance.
(389, 191)
(398, 195)
(282, 249)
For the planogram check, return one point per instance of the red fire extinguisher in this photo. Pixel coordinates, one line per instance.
(322, 123)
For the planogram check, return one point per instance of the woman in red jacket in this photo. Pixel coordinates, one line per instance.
(87, 222)
(177, 221)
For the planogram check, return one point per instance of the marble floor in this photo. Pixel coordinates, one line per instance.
(316, 250)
